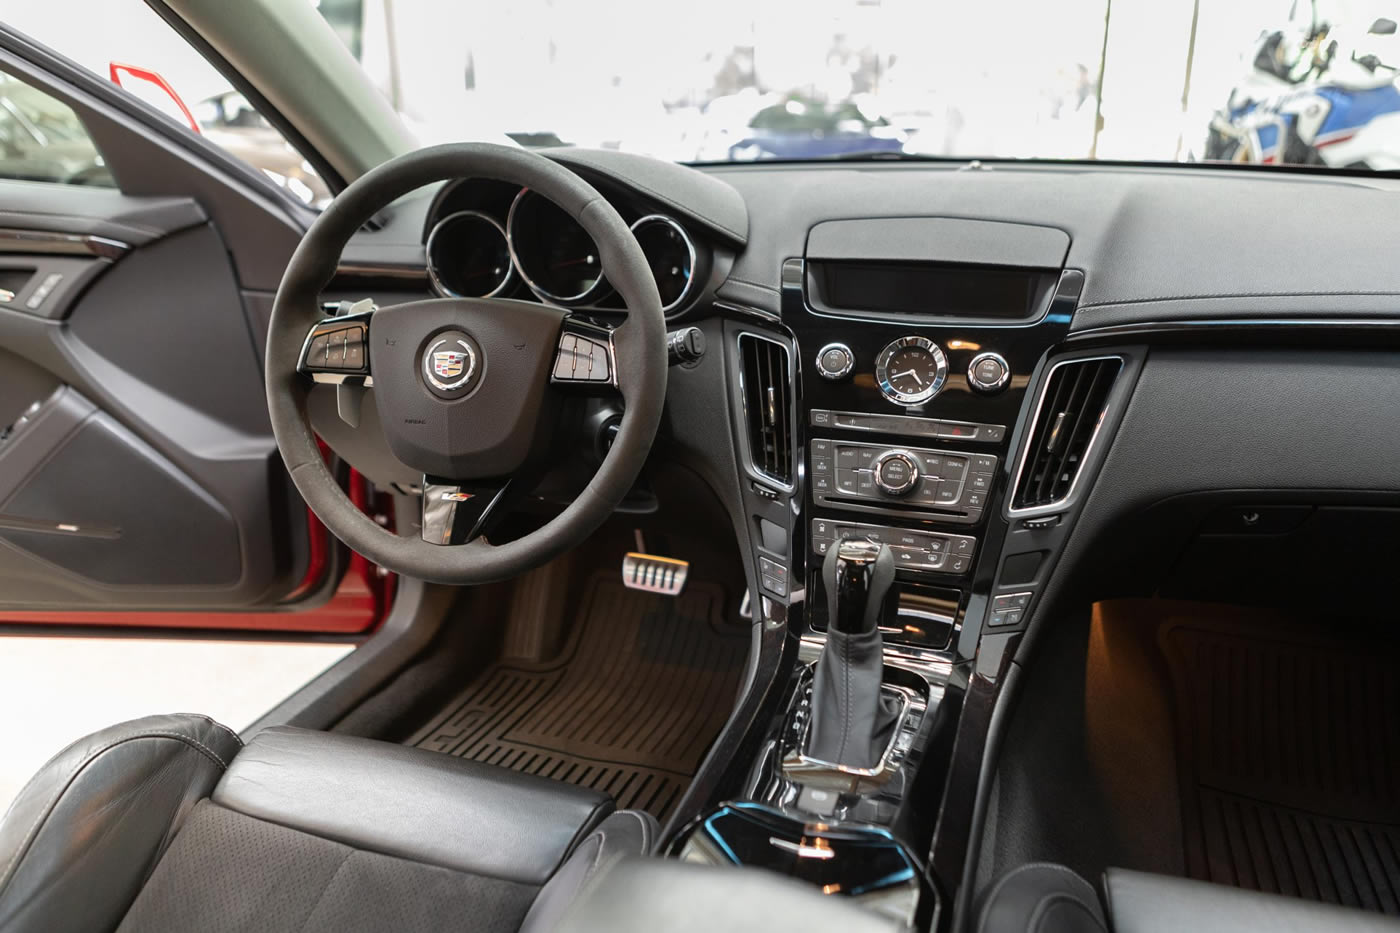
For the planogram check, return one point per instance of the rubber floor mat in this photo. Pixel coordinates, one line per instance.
(645, 686)
(1289, 757)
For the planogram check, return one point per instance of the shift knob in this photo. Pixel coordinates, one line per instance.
(851, 722)
(859, 578)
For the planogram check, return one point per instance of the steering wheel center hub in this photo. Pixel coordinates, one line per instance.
(452, 365)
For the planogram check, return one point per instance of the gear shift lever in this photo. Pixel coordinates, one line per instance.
(851, 720)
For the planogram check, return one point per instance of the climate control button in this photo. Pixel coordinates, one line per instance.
(896, 472)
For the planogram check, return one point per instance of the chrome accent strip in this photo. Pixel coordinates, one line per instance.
(596, 291)
(1061, 504)
(690, 249)
(432, 267)
(336, 379)
(750, 466)
(47, 242)
(882, 376)
(370, 270)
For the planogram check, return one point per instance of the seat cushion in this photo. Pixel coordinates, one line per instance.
(165, 824)
(1144, 903)
(230, 873)
(408, 802)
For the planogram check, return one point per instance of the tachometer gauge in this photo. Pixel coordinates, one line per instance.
(671, 256)
(468, 256)
(911, 370)
(555, 255)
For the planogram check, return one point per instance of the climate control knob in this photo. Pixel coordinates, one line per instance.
(896, 472)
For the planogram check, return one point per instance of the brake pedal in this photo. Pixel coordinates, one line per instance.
(663, 575)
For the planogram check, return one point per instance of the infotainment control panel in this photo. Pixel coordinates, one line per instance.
(952, 483)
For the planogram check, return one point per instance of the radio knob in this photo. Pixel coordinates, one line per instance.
(835, 361)
(988, 372)
(896, 472)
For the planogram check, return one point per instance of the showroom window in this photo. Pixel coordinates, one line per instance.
(127, 42)
(42, 139)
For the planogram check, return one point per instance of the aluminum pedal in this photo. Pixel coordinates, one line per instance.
(663, 575)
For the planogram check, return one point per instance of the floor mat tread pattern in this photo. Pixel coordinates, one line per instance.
(1289, 753)
(645, 686)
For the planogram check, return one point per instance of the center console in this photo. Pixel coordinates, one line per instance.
(898, 379)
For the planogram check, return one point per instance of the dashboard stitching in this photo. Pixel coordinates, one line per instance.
(766, 288)
(685, 209)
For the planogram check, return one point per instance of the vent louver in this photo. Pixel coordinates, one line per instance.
(765, 384)
(1071, 408)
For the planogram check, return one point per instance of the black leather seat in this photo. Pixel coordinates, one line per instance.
(1047, 898)
(170, 823)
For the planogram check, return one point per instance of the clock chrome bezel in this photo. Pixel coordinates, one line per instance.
(923, 395)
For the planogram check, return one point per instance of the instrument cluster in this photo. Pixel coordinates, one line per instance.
(490, 239)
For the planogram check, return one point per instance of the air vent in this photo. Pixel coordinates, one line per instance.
(765, 387)
(1071, 408)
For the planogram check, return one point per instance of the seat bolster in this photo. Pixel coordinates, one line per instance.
(85, 833)
(407, 802)
(1144, 903)
(1041, 897)
(624, 833)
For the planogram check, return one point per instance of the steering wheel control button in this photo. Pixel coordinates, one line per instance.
(835, 361)
(582, 359)
(988, 373)
(896, 472)
(336, 349)
(451, 365)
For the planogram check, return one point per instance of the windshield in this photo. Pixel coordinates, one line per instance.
(1144, 80)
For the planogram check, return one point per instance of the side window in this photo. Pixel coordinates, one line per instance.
(42, 139)
(127, 42)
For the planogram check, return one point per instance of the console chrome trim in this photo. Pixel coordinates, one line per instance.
(800, 767)
(1062, 504)
(16, 240)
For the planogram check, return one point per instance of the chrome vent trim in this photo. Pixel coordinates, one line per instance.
(1064, 429)
(765, 391)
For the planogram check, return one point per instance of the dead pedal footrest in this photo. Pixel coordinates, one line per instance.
(663, 575)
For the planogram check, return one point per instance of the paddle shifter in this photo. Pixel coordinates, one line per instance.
(851, 720)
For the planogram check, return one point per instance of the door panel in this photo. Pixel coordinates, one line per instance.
(140, 483)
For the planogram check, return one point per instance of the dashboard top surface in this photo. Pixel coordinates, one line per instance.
(1155, 244)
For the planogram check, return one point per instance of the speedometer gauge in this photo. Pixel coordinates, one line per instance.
(555, 255)
(911, 370)
(671, 256)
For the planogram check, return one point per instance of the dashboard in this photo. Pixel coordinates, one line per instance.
(1040, 385)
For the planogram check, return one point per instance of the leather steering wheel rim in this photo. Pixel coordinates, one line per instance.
(639, 346)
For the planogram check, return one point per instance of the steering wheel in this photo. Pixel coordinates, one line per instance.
(467, 388)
